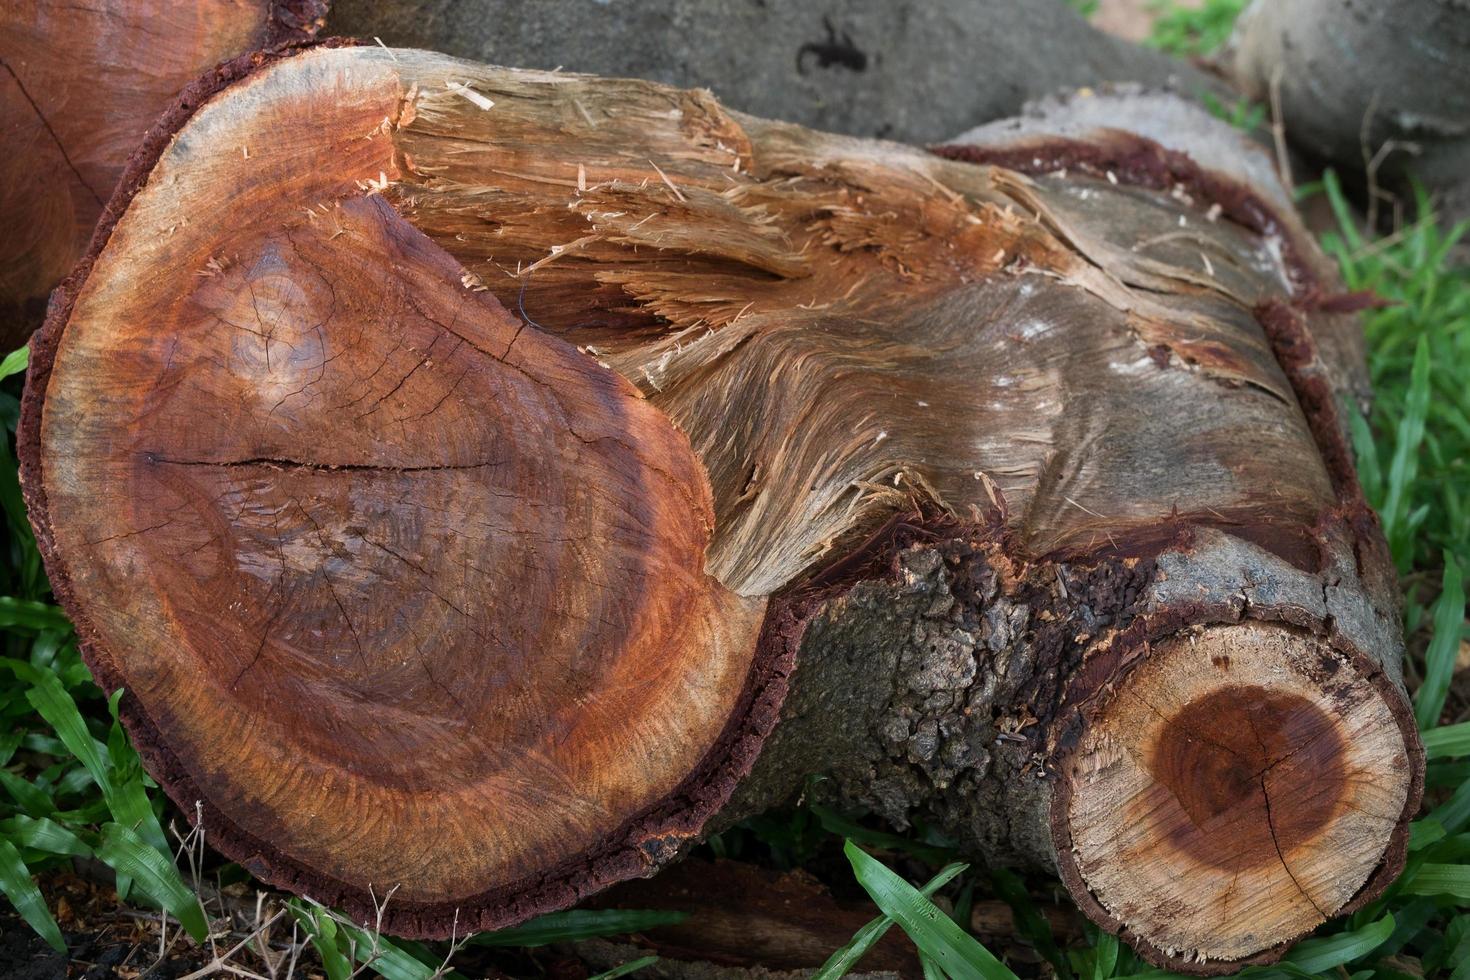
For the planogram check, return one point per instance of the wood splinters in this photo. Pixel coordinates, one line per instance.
(1038, 554)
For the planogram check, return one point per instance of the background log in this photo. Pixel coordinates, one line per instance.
(79, 87)
(1381, 91)
(1006, 465)
(915, 72)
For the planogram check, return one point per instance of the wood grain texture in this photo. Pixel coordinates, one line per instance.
(878, 319)
(80, 85)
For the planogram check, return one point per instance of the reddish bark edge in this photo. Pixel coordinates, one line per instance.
(644, 842)
(294, 21)
(1132, 159)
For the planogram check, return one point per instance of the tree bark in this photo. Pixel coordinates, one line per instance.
(79, 87)
(1379, 90)
(486, 481)
(915, 72)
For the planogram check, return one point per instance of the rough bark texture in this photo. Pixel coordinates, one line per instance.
(79, 87)
(902, 70)
(986, 436)
(1380, 89)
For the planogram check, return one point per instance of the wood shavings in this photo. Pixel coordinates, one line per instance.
(465, 92)
(213, 267)
(557, 251)
(374, 186)
(665, 178)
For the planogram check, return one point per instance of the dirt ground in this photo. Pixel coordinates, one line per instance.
(1131, 20)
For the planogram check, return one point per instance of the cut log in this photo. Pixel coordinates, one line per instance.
(495, 479)
(1380, 91)
(79, 86)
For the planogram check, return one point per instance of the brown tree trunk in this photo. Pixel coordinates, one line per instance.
(80, 84)
(484, 482)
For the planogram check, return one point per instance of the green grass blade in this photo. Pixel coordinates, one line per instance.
(563, 927)
(1330, 952)
(835, 823)
(40, 834)
(1448, 741)
(1439, 659)
(15, 362)
(153, 874)
(631, 966)
(1459, 956)
(11, 498)
(1409, 919)
(1404, 465)
(1452, 880)
(387, 958)
(16, 883)
(1346, 223)
(321, 929)
(33, 799)
(126, 797)
(1370, 473)
(931, 930)
(1424, 832)
(128, 800)
(55, 704)
(1106, 961)
(32, 616)
(1030, 923)
(8, 744)
(846, 957)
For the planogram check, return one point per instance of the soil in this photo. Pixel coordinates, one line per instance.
(105, 940)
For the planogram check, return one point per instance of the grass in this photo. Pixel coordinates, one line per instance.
(72, 788)
(1193, 32)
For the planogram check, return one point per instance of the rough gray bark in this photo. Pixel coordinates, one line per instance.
(910, 71)
(1380, 89)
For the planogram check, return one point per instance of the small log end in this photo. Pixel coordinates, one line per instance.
(1239, 787)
